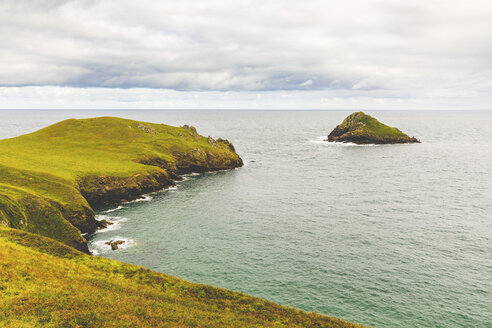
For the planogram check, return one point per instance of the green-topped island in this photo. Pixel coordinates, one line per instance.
(360, 128)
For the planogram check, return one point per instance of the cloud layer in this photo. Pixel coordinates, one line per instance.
(377, 49)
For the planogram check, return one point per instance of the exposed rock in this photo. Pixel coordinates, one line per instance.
(115, 243)
(360, 128)
(102, 191)
(102, 224)
(191, 128)
(146, 128)
(227, 143)
(212, 141)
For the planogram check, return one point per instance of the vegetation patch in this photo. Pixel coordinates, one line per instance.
(45, 283)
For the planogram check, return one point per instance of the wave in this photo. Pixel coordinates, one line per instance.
(100, 247)
(143, 198)
(246, 163)
(115, 220)
(192, 174)
(114, 209)
(322, 140)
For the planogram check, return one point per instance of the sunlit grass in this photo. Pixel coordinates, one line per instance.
(44, 283)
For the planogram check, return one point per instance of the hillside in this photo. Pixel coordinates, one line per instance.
(44, 283)
(361, 128)
(52, 179)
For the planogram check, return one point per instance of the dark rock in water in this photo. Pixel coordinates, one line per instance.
(360, 128)
(115, 243)
(102, 224)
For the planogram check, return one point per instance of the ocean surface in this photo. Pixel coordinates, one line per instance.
(386, 236)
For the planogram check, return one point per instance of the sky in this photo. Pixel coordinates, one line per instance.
(251, 54)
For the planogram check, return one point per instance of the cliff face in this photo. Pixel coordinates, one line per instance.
(360, 128)
(51, 180)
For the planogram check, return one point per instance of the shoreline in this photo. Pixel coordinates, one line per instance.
(53, 180)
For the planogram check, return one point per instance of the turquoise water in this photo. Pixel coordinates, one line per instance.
(387, 236)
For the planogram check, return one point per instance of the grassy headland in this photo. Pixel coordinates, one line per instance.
(44, 283)
(51, 180)
(361, 128)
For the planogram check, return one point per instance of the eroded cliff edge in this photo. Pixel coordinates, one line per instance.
(52, 179)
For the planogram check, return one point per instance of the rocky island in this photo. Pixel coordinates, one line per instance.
(361, 128)
(50, 182)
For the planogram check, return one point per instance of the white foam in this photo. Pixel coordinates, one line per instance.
(246, 163)
(143, 198)
(100, 247)
(114, 209)
(116, 220)
(319, 140)
(191, 174)
(323, 140)
(217, 171)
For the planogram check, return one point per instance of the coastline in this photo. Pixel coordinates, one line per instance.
(52, 180)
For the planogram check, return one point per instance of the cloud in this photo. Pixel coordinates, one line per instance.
(54, 97)
(422, 48)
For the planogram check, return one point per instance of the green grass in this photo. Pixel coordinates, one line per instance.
(365, 123)
(101, 146)
(359, 127)
(50, 179)
(44, 283)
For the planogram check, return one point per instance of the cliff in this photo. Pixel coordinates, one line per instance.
(52, 179)
(361, 128)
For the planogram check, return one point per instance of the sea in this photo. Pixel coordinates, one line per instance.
(381, 235)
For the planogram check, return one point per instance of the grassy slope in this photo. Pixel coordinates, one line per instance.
(368, 124)
(105, 145)
(44, 283)
(43, 175)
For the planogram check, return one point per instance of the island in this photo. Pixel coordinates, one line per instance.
(360, 128)
(50, 183)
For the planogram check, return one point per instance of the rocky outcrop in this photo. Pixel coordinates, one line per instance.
(115, 244)
(102, 224)
(101, 191)
(360, 128)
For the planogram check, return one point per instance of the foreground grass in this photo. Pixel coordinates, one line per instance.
(51, 179)
(44, 283)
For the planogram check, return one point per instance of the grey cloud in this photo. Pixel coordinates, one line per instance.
(419, 47)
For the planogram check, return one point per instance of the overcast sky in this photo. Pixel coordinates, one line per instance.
(369, 54)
